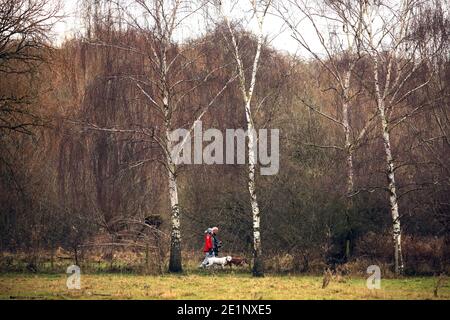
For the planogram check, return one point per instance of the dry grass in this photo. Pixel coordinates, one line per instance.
(222, 285)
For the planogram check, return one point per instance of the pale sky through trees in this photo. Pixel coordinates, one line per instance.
(279, 36)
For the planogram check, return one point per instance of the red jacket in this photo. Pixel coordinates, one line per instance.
(208, 243)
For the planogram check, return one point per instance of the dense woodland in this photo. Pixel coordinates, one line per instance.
(83, 126)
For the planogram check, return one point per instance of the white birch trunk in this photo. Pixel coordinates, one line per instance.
(252, 141)
(175, 235)
(350, 173)
(393, 199)
(348, 142)
(349, 158)
(258, 267)
(175, 264)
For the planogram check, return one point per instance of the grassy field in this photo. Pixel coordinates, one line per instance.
(212, 286)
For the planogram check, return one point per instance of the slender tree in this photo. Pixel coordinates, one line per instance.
(259, 10)
(395, 61)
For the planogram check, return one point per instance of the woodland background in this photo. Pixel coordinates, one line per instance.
(70, 190)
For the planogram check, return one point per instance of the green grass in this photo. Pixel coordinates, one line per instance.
(221, 285)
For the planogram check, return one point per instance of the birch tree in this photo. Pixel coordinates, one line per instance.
(259, 10)
(394, 63)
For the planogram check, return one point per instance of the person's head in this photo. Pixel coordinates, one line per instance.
(215, 230)
(209, 230)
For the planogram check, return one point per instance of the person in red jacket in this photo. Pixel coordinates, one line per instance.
(209, 245)
(208, 248)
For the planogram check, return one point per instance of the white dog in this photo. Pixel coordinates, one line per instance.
(219, 261)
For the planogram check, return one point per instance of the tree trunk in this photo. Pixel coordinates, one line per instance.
(349, 162)
(175, 236)
(393, 199)
(258, 263)
(348, 148)
(76, 255)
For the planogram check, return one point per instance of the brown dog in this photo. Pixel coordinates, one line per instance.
(237, 261)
